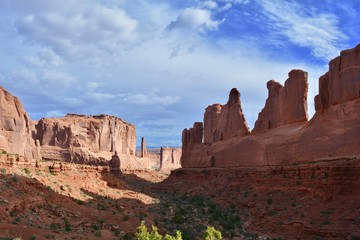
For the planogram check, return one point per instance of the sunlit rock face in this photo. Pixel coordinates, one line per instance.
(85, 139)
(282, 134)
(16, 127)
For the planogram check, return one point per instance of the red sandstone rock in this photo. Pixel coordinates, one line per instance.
(143, 148)
(82, 139)
(15, 127)
(285, 104)
(342, 82)
(332, 133)
(223, 122)
(170, 158)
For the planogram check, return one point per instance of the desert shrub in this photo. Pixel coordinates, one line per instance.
(125, 218)
(14, 178)
(212, 234)
(67, 225)
(143, 234)
(26, 171)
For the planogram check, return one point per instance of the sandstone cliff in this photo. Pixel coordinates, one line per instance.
(285, 104)
(85, 139)
(222, 122)
(282, 135)
(170, 158)
(16, 127)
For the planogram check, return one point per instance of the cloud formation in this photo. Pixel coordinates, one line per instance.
(158, 64)
(305, 27)
(81, 32)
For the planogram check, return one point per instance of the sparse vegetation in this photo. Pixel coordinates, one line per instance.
(212, 234)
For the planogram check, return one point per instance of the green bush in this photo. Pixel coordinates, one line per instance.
(212, 234)
(142, 233)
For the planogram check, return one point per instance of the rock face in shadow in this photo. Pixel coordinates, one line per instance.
(285, 104)
(85, 139)
(170, 158)
(282, 135)
(16, 127)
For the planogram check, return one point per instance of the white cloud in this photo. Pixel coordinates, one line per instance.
(54, 113)
(236, 1)
(150, 98)
(305, 27)
(209, 5)
(80, 31)
(195, 19)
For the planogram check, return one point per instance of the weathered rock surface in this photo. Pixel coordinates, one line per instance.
(143, 148)
(282, 134)
(341, 83)
(15, 127)
(285, 104)
(222, 122)
(170, 158)
(85, 139)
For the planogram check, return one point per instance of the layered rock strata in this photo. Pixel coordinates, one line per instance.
(85, 139)
(16, 128)
(282, 135)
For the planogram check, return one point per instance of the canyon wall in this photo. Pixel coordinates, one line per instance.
(282, 135)
(74, 138)
(16, 128)
(85, 139)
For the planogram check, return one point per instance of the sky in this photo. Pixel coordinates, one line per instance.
(159, 63)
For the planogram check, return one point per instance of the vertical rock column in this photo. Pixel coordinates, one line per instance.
(143, 148)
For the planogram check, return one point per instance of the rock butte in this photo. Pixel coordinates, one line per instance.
(85, 139)
(170, 158)
(282, 134)
(73, 138)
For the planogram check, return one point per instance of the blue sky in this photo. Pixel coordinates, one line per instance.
(159, 64)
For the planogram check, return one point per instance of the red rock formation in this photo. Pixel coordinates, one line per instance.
(170, 158)
(341, 83)
(15, 127)
(222, 122)
(143, 148)
(82, 138)
(285, 104)
(282, 136)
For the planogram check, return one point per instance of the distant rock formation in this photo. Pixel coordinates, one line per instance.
(85, 139)
(143, 148)
(282, 135)
(16, 127)
(170, 158)
(285, 104)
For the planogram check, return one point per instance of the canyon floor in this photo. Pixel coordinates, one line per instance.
(318, 201)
